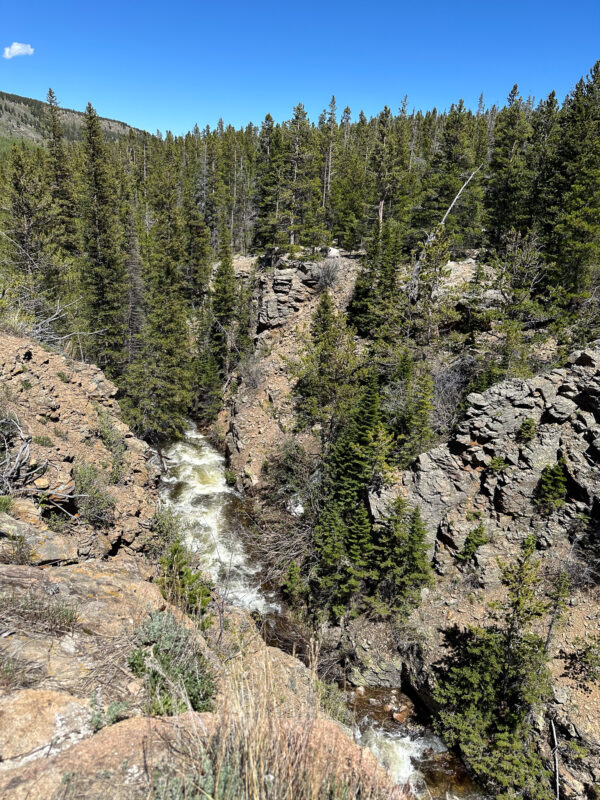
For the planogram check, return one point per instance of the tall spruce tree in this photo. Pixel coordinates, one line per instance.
(159, 381)
(104, 278)
(66, 239)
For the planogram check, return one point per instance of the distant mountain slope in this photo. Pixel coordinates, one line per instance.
(24, 118)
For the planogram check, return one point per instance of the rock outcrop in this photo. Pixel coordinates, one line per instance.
(489, 474)
(58, 402)
(256, 420)
(283, 289)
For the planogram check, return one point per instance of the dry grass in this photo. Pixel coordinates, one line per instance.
(256, 750)
(40, 612)
(17, 551)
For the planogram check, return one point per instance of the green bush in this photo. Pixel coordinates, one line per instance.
(166, 527)
(94, 503)
(115, 712)
(26, 385)
(333, 702)
(583, 664)
(63, 377)
(497, 464)
(493, 681)
(57, 521)
(551, 490)
(6, 502)
(43, 441)
(169, 660)
(475, 538)
(19, 551)
(527, 430)
(230, 477)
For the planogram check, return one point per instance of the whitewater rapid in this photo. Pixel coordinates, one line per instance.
(194, 485)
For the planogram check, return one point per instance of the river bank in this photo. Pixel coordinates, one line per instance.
(194, 484)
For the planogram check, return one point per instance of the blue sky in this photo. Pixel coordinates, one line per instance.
(166, 65)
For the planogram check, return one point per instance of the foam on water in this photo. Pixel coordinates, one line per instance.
(194, 485)
(397, 752)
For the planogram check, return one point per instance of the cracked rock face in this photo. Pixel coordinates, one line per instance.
(283, 290)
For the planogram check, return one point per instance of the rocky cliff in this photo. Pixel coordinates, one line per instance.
(489, 473)
(75, 587)
(262, 412)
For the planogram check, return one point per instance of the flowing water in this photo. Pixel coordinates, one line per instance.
(194, 485)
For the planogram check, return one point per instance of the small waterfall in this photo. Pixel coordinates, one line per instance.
(194, 485)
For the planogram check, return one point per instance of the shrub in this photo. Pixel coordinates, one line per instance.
(5, 503)
(333, 702)
(182, 586)
(26, 385)
(497, 464)
(551, 490)
(176, 674)
(9, 671)
(63, 377)
(43, 441)
(583, 664)
(230, 477)
(96, 506)
(475, 538)
(527, 430)
(19, 551)
(100, 718)
(288, 474)
(57, 521)
(166, 527)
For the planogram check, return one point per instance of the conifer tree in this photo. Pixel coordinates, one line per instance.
(509, 197)
(223, 303)
(29, 202)
(159, 381)
(326, 373)
(493, 681)
(65, 240)
(103, 272)
(402, 559)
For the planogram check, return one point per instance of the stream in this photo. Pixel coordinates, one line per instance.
(194, 485)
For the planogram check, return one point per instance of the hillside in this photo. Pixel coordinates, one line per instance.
(25, 118)
(485, 477)
(82, 599)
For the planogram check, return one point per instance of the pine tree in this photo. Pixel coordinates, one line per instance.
(402, 558)
(326, 373)
(207, 380)
(270, 233)
(492, 682)
(103, 273)
(29, 202)
(509, 198)
(65, 238)
(223, 303)
(159, 381)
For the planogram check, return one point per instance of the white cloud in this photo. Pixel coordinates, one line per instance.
(18, 49)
